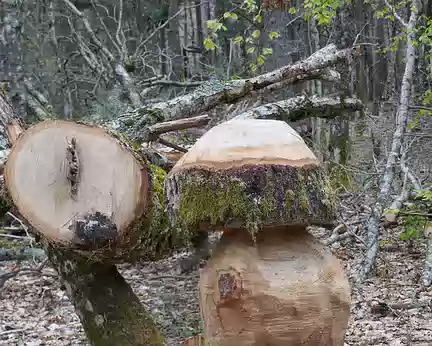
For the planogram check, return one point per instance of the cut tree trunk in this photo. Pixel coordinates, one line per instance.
(88, 190)
(232, 184)
(284, 288)
(269, 281)
(110, 312)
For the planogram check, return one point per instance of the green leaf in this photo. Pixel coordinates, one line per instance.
(213, 24)
(260, 60)
(230, 15)
(250, 50)
(256, 34)
(251, 5)
(238, 39)
(267, 51)
(253, 67)
(292, 10)
(209, 44)
(273, 35)
(258, 18)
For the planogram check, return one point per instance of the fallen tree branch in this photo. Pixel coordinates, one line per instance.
(153, 132)
(14, 273)
(12, 236)
(325, 74)
(293, 109)
(167, 82)
(419, 108)
(212, 93)
(301, 107)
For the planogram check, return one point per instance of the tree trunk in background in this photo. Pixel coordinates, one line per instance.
(163, 42)
(110, 312)
(373, 224)
(200, 35)
(320, 130)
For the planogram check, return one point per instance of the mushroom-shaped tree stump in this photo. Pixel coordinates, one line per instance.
(269, 282)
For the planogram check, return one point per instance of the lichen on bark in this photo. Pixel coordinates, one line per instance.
(250, 196)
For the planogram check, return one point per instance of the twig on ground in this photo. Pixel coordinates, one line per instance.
(172, 145)
(25, 270)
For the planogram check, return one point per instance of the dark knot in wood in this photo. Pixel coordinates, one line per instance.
(229, 287)
(94, 230)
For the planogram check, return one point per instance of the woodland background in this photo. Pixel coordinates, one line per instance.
(99, 59)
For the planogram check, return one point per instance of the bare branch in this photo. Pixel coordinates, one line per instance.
(119, 41)
(108, 33)
(325, 74)
(212, 93)
(301, 107)
(153, 132)
(173, 83)
(172, 145)
(397, 16)
(165, 24)
(419, 108)
(89, 30)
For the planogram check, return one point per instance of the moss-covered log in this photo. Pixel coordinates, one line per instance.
(109, 310)
(88, 190)
(222, 183)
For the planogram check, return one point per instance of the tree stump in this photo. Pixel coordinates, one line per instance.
(269, 281)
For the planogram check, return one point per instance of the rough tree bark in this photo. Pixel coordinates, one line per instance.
(110, 312)
(395, 152)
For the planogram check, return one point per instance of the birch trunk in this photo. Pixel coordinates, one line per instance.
(394, 154)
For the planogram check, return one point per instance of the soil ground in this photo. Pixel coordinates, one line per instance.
(392, 308)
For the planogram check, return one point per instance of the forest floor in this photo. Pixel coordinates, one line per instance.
(392, 308)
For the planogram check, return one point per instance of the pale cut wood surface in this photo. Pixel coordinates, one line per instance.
(111, 180)
(242, 142)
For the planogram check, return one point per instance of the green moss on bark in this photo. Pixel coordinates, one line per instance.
(110, 312)
(158, 237)
(250, 196)
(6, 203)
